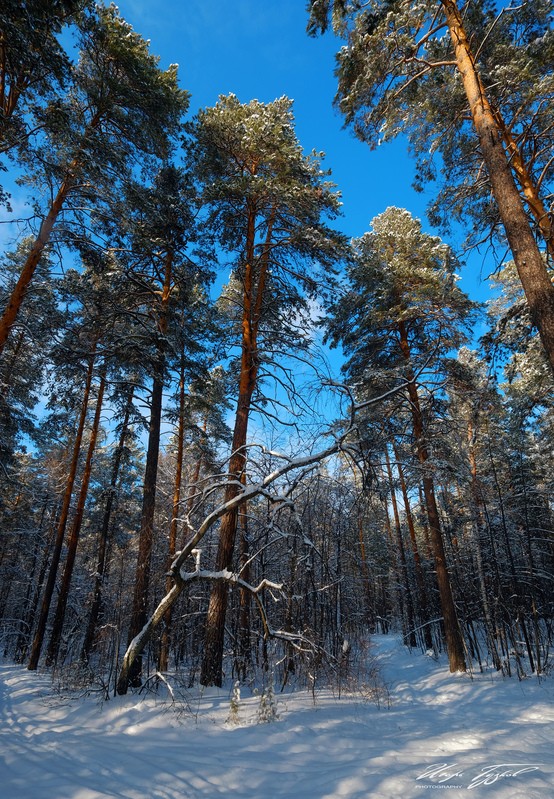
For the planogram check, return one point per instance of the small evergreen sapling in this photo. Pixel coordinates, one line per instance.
(267, 711)
(234, 705)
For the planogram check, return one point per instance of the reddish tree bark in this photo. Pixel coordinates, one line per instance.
(73, 541)
(253, 292)
(454, 640)
(531, 268)
(62, 522)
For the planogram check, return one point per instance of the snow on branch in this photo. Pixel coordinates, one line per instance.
(302, 465)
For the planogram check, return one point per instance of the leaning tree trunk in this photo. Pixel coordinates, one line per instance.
(59, 616)
(35, 253)
(62, 522)
(45, 232)
(531, 268)
(138, 644)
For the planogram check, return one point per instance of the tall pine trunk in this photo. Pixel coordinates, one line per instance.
(163, 659)
(212, 662)
(528, 186)
(453, 635)
(146, 536)
(531, 268)
(62, 523)
(103, 535)
(63, 596)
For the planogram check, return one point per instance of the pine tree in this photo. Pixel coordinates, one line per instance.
(120, 104)
(26, 358)
(32, 59)
(396, 74)
(266, 201)
(157, 223)
(401, 315)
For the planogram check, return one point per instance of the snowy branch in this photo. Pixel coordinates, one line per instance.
(245, 493)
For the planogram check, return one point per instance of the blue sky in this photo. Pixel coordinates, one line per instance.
(259, 49)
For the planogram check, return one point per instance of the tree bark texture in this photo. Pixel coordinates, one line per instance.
(62, 522)
(73, 541)
(453, 636)
(212, 663)
(530, 265)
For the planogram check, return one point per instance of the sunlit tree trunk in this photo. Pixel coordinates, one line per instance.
(528, 186)
(62, 522)
(454, 641)
(531, 268)
(254, 285)
(73, 541)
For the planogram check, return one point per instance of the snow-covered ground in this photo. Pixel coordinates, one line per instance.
(490, 736)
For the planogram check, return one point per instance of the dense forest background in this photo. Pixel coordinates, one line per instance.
(188, 485)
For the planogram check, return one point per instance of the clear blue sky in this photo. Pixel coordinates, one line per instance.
(259, 49)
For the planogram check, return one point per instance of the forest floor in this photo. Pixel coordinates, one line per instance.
(432, 731)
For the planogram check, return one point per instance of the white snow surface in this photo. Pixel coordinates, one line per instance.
(481, 736)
